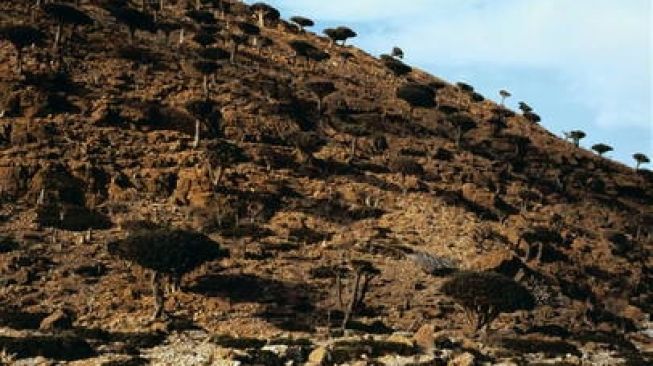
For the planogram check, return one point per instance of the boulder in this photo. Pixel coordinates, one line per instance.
(59, 320)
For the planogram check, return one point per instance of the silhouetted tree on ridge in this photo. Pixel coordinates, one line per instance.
(641, 159)
(302, 22)
(602, 148)
(265, 12)
(397, 52)
(339, 34)
(504, 95)
(575, 136)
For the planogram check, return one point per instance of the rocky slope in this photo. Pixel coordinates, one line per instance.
(101, 133)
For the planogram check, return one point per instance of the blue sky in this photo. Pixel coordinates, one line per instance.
(582, 64)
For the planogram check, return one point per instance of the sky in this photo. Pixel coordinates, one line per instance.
(581, 64)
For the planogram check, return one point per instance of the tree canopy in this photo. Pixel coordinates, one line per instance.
(417, 95)
(602, 148)
(340, 34)
(302, 22)
(487, 294)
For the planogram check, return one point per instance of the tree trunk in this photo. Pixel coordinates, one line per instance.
(352, 302)
(57, 36)
(158, 296)
(261, 19)
(196, 141)
(205, 85)
(19, 60)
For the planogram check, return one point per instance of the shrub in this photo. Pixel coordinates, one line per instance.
(406, 166)
(416, 95)
(477, 97)
(380, 143)
(465, 87)
(306, 144)
(532, 117)
(302, 22)
(21, 36)
(66, 14)
(504, 95)
(525, 108)
(170, 252)
(223, 155)
(133, 19)
(204, 39)
(576, 136)
(208, 112)
(484, 295)
(641, 159)
(339, 34)
(396, 66)
(602, 148)
(307, 50)
(265, 12)
(206, 68)
(321, 88)
(397, 52)
(462, 123)
(201, 16)
(249, 30)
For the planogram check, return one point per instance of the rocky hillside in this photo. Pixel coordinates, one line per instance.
(303, 158)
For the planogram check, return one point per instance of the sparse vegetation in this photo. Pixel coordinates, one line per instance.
(485, 295)
(300, 164)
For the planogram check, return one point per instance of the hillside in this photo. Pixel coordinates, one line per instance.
(295, 180)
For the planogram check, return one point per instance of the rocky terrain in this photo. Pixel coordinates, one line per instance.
(296, 155)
